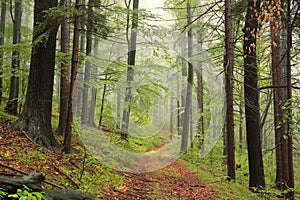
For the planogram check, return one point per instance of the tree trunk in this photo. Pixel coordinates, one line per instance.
(36, 116)
(2, 33)
(102, 102)
(130, 70)
(171, 114)
(241, 123)
(92, 109)
(64, 74)
(118, 122)
(183, 86)
(33, 181)
(189, 90)
(290, 177)
(200, 97)
(12, 104)
(79, 90)
(278, 99)
(253, 130)
(68, 133)
(229, 92)
(87, 71)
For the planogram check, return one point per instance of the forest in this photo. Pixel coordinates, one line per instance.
(140, 99)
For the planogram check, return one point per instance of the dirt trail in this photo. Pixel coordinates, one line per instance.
(172, 182)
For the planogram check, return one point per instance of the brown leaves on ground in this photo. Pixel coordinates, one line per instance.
(172, 182)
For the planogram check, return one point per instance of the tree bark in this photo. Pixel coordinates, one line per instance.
(102, 102)
(92, 109)
(200, 96)
(36, 116)
(75, 52)
(130, 70)
(229, 92)
(253, 129)
(79, 90)
(87, 70)
(2, 33)
(290, 176)
(12, 104)
(64, 73)
(189, 90)
(278, 99)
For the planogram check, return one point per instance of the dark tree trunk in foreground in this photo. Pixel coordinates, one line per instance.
(12, 104)
(130, 70)
(68, 133)
(253, 129)
(2, 32)
(278, 99)
(64, 74)
(36, 116)
(189, 90)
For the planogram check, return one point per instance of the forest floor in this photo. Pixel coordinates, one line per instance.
(23, 156)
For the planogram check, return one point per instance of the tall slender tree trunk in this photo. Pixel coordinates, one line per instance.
(36, 116)
(199, 73)
(189, 90)
(2, 32)
(241, 123)
(87, 70)
(130, 69)
(92, 109)
(64, 73)
(278, 98)
(291, 182)
(253, 129)
(182, 85)
(229, 92)
(79, 90)
(102, 102)
(12, 104)
(75, 51)
(171, 114)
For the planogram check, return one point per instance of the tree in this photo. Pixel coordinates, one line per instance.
(91, 115)
(64, 73)
(278, 95)
(229, 92)
(290, 177)
(68, 133)
(87, 69)
(200, 94)
(253, 129)
(189, 89)
(2, 32)
(36, 116)
(12, 104)
(130, 69)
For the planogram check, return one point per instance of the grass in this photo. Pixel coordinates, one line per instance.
(212, 171)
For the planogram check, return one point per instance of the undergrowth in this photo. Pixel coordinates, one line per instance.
(212, 170)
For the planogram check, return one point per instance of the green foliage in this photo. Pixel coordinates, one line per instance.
(212, 169)
(2, 193)
(27, 194)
